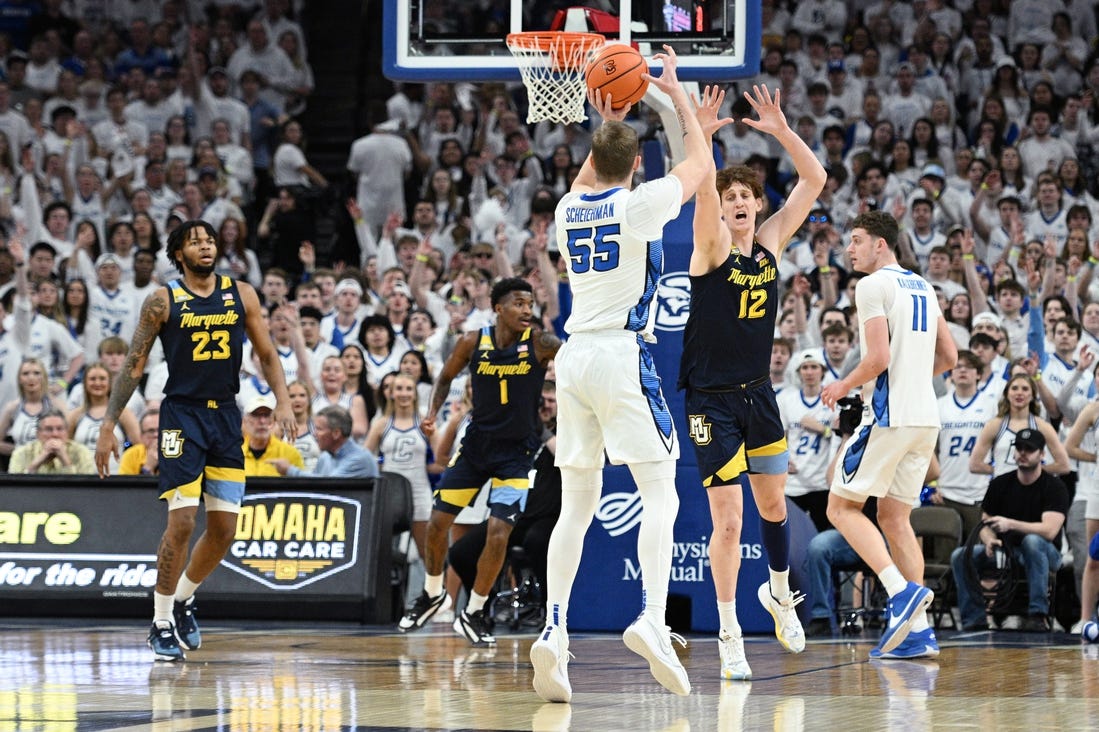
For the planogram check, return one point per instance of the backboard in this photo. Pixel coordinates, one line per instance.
(463, 40)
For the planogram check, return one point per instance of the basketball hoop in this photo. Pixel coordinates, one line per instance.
(552, 65)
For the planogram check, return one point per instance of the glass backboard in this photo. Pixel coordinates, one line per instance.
(463, 40)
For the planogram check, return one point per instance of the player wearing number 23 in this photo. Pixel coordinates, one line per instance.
(201, 319)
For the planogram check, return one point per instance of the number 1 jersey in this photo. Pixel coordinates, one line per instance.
(203, 342)
(903, 395)
(612, 241)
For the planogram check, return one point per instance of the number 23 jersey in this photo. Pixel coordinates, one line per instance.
(612, 241)
(203, 341)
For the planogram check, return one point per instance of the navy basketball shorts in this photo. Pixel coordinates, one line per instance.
(505, 465)
(736, 431)
(201, 451)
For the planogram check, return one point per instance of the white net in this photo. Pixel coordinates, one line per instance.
(552, 66)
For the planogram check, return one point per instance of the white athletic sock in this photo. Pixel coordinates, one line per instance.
(726, 613)
(660, 504)
(580, 491)
(892, 579)
(162, 608)
(556, 614)
(433, 584)
(921, 622)
(185, 588)
(475, 602)
(780, 583)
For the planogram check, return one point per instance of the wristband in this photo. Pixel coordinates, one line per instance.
(969, 257)
(825, 269)
(1093, 261)
(1071, 278)
(984, 186)
(423, 258)
(827, 432)
(1037, 376)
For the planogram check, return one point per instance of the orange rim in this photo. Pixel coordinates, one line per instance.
(560, 44)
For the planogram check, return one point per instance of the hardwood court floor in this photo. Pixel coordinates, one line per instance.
(78, 675)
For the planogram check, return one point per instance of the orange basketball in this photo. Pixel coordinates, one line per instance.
(617, 70)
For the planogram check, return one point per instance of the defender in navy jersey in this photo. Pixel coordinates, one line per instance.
(732, 414)
(507, 365)
(201, 319)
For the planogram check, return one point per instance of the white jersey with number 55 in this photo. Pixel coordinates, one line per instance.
(903, 394)
(612, 243)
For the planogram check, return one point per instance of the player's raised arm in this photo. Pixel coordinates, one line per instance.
(711, 237)
(775, 233)
(154, 313)
(691, 171)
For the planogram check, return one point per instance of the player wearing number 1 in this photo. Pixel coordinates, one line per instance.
(732, 414)
(904, 342)
(201, 319)
(608, 392)
(507, 365)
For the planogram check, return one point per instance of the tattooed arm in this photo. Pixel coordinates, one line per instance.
(154, 313)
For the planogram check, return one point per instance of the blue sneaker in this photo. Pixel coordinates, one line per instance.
(163, 641)
(918, 644)
(186, 625)
(901, 611)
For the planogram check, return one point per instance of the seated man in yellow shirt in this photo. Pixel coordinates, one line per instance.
(260, 445)
(141, 458)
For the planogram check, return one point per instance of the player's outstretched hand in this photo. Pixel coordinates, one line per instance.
(771, 119)
(668, 81)
(706, 111)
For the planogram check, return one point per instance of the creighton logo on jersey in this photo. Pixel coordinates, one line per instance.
(673, 301)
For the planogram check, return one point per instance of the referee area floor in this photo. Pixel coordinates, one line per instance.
(98, 675)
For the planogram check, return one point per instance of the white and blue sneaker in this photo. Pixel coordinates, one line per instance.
(162, 639)
(901, 611)
(918, 644)
(186, 624)
(550, 657)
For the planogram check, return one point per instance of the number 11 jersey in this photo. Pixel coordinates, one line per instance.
(903, 395)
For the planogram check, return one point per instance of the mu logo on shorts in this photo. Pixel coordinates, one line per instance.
(699, 429)
(171, 444)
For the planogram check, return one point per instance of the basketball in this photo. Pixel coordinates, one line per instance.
(1090, 632)
(617, 70)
